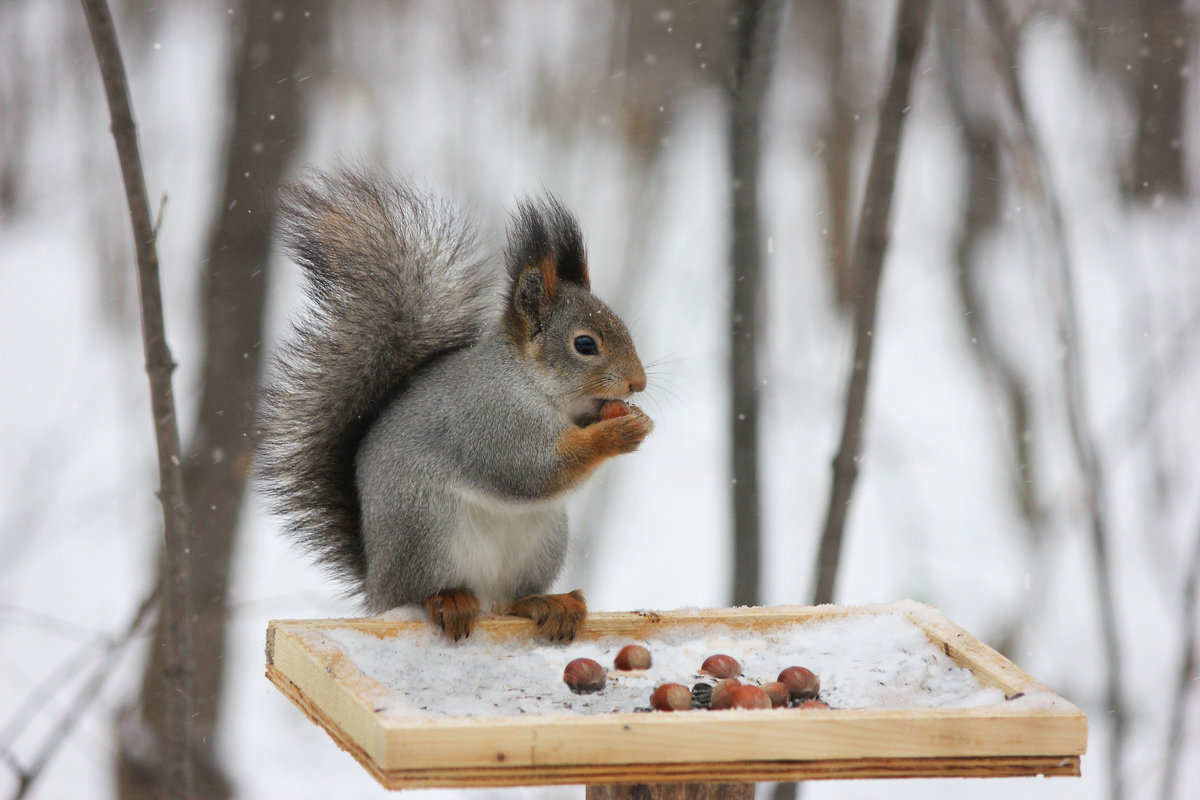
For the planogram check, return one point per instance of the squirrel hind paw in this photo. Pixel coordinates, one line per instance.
(454, 611)
(557, 616)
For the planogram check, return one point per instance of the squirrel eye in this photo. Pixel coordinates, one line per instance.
(586, 345)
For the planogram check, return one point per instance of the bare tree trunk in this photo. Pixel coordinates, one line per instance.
(175, 653)
(1158, 158)
(837, 155)
(870, 247)
(757, 35)
(981, 141)
(267, 122)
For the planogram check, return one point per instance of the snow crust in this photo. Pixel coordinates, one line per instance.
(872, 660)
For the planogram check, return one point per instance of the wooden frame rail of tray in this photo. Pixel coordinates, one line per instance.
(1034, 733)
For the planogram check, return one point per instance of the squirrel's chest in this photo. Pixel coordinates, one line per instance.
(499, 548)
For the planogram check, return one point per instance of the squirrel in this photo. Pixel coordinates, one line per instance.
(429, 415)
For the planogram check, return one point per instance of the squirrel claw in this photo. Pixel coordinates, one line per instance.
(557, 616)
(454, 611)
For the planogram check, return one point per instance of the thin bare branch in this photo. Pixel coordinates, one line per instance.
(870, 248)
(279, 48)
(1186, 676)
(159, 366)
(158, 218)
(1033, 172)
(101, 671)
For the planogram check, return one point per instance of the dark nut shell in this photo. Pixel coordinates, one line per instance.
(584, 676)
(801, 683)
(722, 694)
(721, 666)
(778, 693)
(749, 697)
(671, 697)
(702, 695)
(632, 656)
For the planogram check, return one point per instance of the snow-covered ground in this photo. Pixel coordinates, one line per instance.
(934, 518)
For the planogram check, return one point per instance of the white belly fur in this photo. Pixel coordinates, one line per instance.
(496, 541)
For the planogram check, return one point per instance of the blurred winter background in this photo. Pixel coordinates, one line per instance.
(1034, 397)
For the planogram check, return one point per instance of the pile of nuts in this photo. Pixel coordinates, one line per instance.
(721, 686)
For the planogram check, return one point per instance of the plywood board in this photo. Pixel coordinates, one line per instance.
(1035, 733)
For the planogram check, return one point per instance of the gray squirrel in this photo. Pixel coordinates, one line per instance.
(429, 414)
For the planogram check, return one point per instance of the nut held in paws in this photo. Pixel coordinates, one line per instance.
(613, 409)
(584, 676)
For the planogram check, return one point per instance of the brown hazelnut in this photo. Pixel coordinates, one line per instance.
(801, 683)
(611, 409)
(721, 666)
(778, 693)
(813, 704)
(632, 656)
(749, 696)
(671, 697)
(584, 676)
(722, 694)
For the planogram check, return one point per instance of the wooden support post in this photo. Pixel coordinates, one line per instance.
(671, 791)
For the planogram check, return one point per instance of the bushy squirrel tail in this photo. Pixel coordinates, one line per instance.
(394, 278)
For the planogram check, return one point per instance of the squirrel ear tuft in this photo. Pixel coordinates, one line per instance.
(546, 235)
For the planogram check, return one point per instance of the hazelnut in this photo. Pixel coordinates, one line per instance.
(721, 666)
(611, 409)
(748, 696)
(722, 694)
(813, 704)
(778, 693)
(584, 676)
(671, 697)
(632, 656)
(801, 683)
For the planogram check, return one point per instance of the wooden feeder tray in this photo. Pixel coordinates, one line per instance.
(1011, 738)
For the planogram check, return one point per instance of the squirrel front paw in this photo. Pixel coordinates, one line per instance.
(454, 611)
(557, 616)
(580, 450)
(626, 431)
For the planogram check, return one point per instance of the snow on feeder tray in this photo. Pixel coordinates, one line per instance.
(910, 694)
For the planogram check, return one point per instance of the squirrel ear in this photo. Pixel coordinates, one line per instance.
(534, 294)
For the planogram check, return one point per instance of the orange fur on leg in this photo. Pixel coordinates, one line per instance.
(581, 450)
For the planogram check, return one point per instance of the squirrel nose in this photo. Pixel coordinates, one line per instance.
(637, 382)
